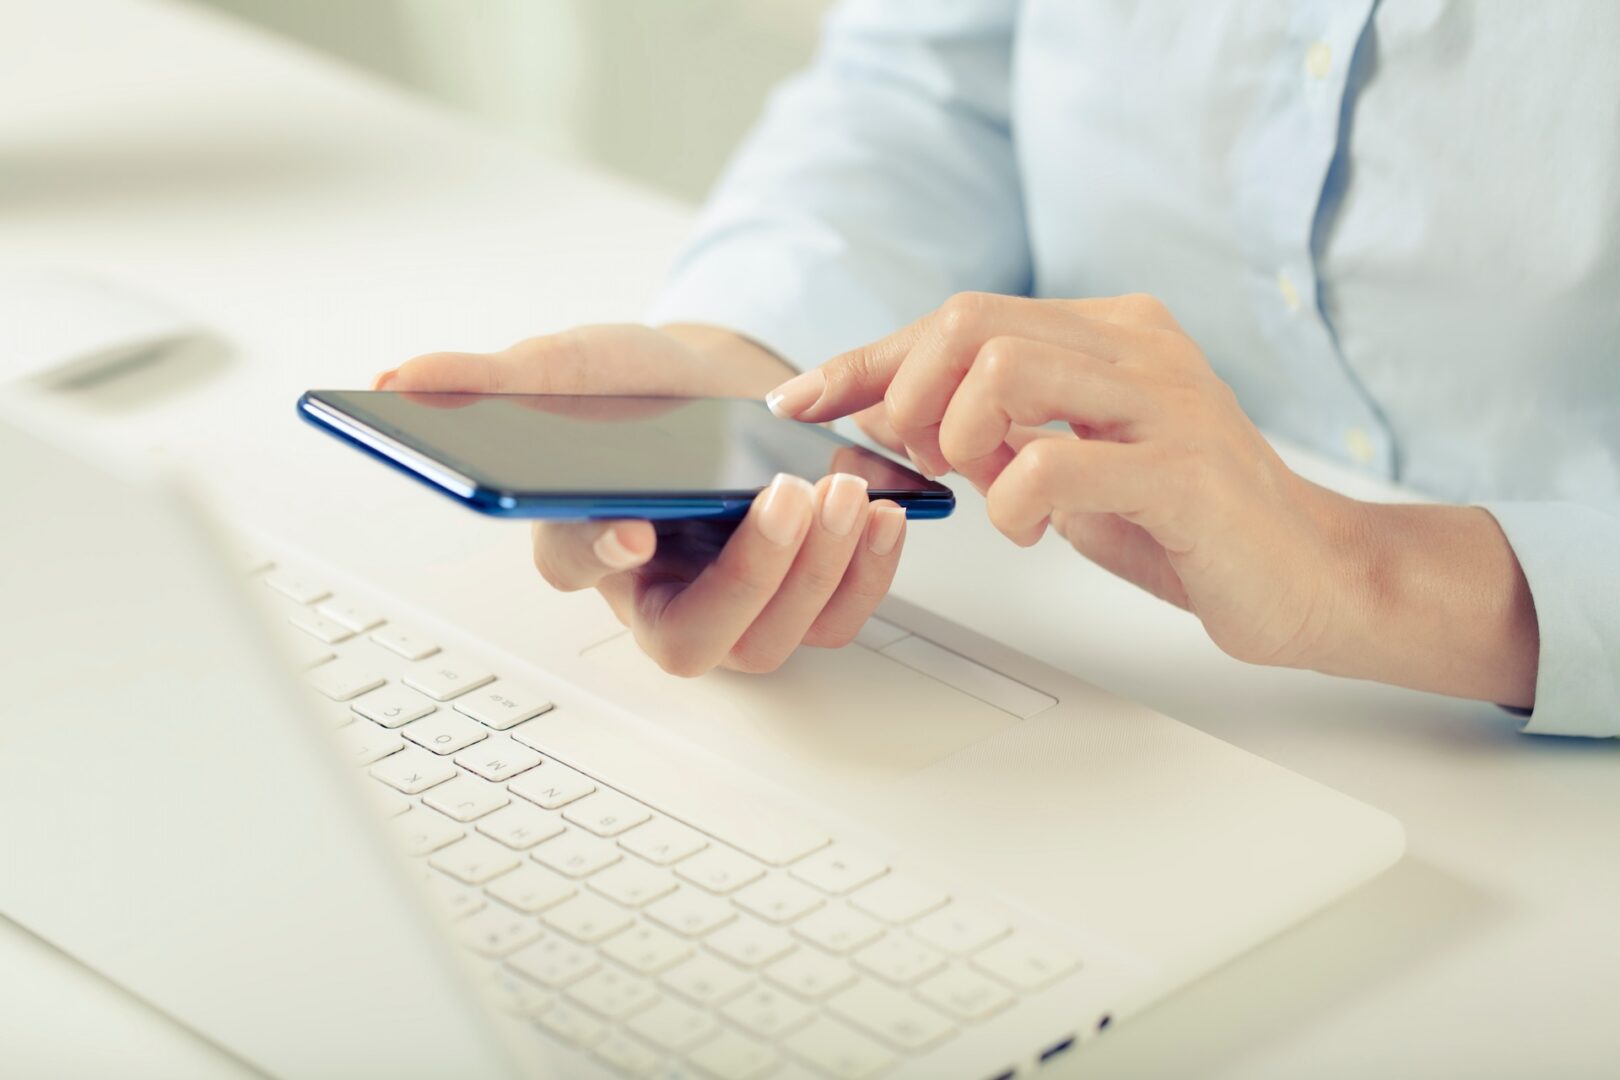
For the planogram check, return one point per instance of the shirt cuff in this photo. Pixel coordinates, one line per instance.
(806, 308)
(1568, 554)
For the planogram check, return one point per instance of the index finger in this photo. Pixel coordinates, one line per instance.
(847, 383)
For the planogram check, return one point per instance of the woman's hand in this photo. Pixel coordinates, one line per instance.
(807, 565)
(1167, 483)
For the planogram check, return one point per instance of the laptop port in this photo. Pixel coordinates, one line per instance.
(1102, 1024)
(1055, 1049)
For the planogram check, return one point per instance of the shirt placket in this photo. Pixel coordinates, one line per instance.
(1280, 167)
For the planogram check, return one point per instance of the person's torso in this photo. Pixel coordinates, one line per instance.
(1395, 232)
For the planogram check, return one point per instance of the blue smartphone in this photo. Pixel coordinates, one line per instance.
(576, 457)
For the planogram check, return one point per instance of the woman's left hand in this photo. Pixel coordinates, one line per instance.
(1166, 482)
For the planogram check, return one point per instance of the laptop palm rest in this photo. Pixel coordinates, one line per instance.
(854, 713)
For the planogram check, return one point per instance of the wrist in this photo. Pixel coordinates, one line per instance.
(1431, 597)
(750, 366)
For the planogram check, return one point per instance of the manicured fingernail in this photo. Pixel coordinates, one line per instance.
(887, 521)
(612, 551)
(381, 382)
(784, 508)
(796, 395)
(919, 466)
(841, 504)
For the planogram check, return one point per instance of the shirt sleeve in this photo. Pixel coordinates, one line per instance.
(1570, 554)
(877, 183)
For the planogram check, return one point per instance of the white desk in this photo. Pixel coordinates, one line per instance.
(329, 227)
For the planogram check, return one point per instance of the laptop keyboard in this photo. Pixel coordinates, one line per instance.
(611, 926)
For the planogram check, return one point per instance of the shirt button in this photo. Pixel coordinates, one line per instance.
(1360, 445)
(1290, 295)
(1318, 60)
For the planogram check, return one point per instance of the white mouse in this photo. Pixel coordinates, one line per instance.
(61, 327)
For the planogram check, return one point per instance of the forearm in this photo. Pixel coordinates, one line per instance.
(1436, 601)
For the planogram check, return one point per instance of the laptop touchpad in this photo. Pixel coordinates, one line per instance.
(849, 714)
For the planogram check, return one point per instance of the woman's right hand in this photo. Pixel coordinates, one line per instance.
(807, 565)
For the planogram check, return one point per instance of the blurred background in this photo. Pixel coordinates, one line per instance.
(660, 90)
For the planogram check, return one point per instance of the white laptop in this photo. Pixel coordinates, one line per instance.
(350, 839)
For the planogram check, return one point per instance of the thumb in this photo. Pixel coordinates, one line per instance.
(448, 373)
(847, 383)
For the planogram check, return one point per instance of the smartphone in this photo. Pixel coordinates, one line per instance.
(583, 457)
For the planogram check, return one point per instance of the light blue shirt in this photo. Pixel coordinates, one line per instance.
(1393, 227)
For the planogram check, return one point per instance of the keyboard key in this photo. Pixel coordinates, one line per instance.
(633, 883)
(495, 931)
(730, 1056)
(627, 1056)
(613, 993)
(445, 733)
(422, 834)
(572, 1024)
(531, 888)
(778, 898)
(520, 826)
(965, 994)
(393, 706)
(690, 912)
(467, 798)
(1024, 963)
(554, 961)
(453, 898)
(646, 949)
(892, 1015)
(402, 642)
(606, 813)
(342, 679)
(706, 979)
(835, 1048)
(473, 860)
(838, 928)
(673, 1025)
(768, 1013)
(576, 853)
(355, 618)
(772, 840)
(898, 898)
(900, 958)
(498, 759)
(552, 785)
(662, 841)
(388, 804)
(319, 627)
(837, 869)
(587, 918)
(412, 770)
(300, 590)
(811, 973)
(960, 928)
(305, 652)
(366, 743)
(504, 704)
(445, 676)
(517, 996)
(720, 870)
(749, 942)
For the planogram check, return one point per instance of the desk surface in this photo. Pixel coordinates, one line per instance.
(327, 227)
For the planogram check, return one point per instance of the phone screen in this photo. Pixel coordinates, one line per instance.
(539, 447)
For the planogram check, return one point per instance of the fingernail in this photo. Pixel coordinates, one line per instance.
(887, 521)
(796, 395)
(841, 504)
(612, 551)
(919, 466)
(784, 509)
(382, 381)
